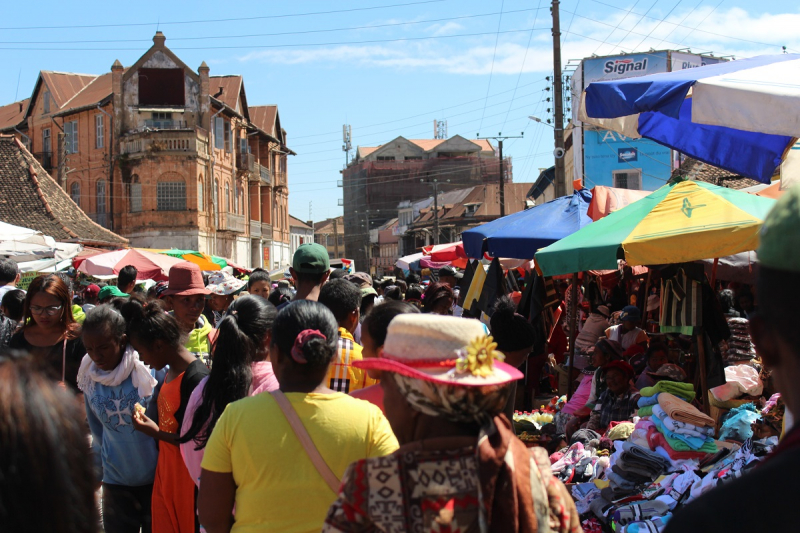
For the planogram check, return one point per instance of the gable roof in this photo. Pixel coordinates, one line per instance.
(29, 197)
(296, 222)
(264, 117)
(62, 86)
(232, 92)
(159, 46)
(12, 115)
(427, 145)
(97, 92)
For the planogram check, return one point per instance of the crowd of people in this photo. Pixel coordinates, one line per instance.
(334, 402)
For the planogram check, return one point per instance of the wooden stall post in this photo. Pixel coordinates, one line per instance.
(701, 360)
(573, 319)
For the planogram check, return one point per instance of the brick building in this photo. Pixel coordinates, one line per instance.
(299, 233)
(167, 156)
(381, 177)
(330, 234)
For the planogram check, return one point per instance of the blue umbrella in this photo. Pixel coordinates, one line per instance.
(713, 113)
(520, 235)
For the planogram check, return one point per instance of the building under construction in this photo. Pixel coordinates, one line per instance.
(381, 177)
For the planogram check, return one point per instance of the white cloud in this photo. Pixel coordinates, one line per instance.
(724, 32)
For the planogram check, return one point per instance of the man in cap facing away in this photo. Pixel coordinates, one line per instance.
(310, 270)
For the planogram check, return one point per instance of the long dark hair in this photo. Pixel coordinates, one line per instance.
(54, 286)
(241, 335)
(45, 455)
(434, 293)
(149, 323)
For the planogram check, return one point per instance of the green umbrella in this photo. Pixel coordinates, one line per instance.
(680, 222)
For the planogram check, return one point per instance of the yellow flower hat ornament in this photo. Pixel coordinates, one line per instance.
(438, 348)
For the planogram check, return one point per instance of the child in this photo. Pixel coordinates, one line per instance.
(114, 381)
(159, 339)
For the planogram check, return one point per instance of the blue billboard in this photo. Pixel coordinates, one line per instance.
(613, 160)
(624, 66)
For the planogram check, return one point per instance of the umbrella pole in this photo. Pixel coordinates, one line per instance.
(573, 318)
(714, 273)
(701, 361)
(646, 295)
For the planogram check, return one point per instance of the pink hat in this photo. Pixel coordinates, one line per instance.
(186, 279)
(442, 349)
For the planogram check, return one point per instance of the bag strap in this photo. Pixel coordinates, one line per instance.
(305, 439)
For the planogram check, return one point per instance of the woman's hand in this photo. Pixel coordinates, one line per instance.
(142, 423)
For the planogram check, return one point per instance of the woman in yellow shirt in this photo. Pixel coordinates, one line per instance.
(254, 460)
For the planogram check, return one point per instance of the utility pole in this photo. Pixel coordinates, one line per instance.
(435, 183)
(500, 138)
(336, 237)
(558, 97)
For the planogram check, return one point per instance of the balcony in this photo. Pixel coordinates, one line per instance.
(45, 159)
(266, 231)
(166, 124)
(168, 142)
(280, 178)
(246, 162)
(255, 228)
(231, 222)
(265, 175)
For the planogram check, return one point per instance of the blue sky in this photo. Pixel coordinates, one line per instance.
(386, 67)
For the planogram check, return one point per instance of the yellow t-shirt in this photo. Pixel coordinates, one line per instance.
(343, 376)
(277, 486)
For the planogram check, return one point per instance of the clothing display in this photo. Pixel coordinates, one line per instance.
(683, 411)
(682, 390)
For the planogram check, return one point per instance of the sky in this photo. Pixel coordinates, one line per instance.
(385, 67)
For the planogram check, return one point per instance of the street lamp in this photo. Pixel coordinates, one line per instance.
(540, 121)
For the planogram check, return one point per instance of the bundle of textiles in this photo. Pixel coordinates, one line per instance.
(585, 460)
(739, 346)
(632, 467)
(737, 425)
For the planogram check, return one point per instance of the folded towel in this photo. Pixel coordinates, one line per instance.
(644, 458)
(658, 440)
(681, 427)
(647, 410)
(682, 411)
(648, 400)
(683, 390)
(639, 511)
(694, 443)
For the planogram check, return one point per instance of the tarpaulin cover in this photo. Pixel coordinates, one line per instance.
(520, 235)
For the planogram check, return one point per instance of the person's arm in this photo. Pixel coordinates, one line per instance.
(215, 501)
(142, 423)
(96, 429)
(382, 439)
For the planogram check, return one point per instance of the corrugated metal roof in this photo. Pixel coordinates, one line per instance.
(263, 117)
(12, 114)
(428, 145)
(296, 222)
(231, 87)
(64, 85)
(98, 90)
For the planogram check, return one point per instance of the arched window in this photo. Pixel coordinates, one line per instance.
(135, 194)
(171, 195)
(75, 192)
(236, 199)
(101, 202)
(227, 198)
(200, 204)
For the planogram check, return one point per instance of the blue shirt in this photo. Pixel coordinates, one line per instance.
(128, 456)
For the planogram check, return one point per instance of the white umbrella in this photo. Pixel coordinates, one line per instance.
(404, 263)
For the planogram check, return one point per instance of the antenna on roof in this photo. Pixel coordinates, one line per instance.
(20, 75)
(346, 147)
(440, 129)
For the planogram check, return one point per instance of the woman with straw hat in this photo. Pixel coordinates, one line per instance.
(459, 466)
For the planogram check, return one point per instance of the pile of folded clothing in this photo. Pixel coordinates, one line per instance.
(740, 345)
(633, 466)
(649, 395)
(583, 461)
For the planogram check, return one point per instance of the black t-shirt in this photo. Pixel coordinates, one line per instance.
(51, 358)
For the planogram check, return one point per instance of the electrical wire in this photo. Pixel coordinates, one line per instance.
(688, 14)
(522, 67)
(217, 21)
(660, 22)
(615, 27)
(494, 53)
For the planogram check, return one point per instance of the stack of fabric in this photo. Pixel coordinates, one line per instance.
(632, 466)
(685, 432)
(739, 346)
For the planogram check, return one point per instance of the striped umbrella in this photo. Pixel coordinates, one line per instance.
(680, 222)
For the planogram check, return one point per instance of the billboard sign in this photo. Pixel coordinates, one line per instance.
(606, 152)
(627, 155)
(683, 61)
(623, 66)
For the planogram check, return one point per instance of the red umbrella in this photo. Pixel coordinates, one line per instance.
(150, 265)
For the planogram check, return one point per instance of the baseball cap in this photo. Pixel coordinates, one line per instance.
(631, 313)
(780, 237)
(91, 290)
(362, 279)
(111, 291)
(311, 258)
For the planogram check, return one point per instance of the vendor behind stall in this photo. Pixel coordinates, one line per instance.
(628, 333)
(619, 401)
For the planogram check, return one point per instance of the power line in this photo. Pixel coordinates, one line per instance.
(216, 21)
(640, 20)
(271, 46)
(494, 53)
(247, 36)
(615, 27)
(522, 66)
(702, 21)
(688, 14)
(660, 22)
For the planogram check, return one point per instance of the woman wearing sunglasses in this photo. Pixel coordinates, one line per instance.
(49, 332)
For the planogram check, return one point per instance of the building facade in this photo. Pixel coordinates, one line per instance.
(167, 157)
(330, 234)
(299, 233)
(381, 177)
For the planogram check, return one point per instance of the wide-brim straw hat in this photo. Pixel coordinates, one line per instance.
(442, 349)
(223, 284)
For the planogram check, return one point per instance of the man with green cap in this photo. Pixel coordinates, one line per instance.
(310, 270)
(731, 507)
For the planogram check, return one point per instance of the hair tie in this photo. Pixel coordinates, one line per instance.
(302, 339)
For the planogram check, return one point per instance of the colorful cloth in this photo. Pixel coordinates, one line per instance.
(682, 411)
(647, 400)
(682, 390)
(658, 440)
(491, 484)
(694, 443)
(278, 488)
(343, 376)
(647, 410)
(173, 489)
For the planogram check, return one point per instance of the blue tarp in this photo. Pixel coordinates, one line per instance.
(665, 116)
(520, 235)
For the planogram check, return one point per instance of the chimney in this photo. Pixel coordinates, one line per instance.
(159, 39)
(116, 97)
(219, 93)
(205, 103)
